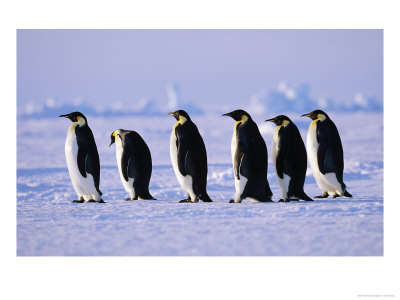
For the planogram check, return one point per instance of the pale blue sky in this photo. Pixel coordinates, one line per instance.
(213, 67)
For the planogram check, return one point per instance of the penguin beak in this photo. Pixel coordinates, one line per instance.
(68, 116)
(174, 114)
(228, 114)
(270, 120)
(307, 115)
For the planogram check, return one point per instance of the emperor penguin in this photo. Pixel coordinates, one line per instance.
(189, 157)
(250, 159)
(290, 159)
(325, 153)
(134, 163)
(82, 159)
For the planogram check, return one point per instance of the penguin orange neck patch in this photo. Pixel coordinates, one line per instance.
(81, 121)
(180, 121)
(243, 120)
(285, 123)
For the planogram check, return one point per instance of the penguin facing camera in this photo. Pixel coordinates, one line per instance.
(82, 159)
(250, 159)
(189, 158)
(134, 163)
(290, 159)
(325, 152)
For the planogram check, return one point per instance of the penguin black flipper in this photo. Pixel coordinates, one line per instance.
(240, 150)
(280, 161)
(125, 160)
(129, 159)
(182, 155)
(321, 154)
(83, 151)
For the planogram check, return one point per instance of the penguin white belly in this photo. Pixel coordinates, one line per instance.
(84, 187)
(128, 185)
(186, 182)
(283, 183)
(328, 182)
(240, 183)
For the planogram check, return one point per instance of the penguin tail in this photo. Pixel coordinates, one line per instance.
(147, 196)
(347, 194)
(205, 198)
(304, 196)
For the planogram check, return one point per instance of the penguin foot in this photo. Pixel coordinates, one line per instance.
(185, 201)
(146, 198)
(233, 201)
(78, 201)
(294, 199)
(324, 195)
(335, 196)
(94, 201)
(130, 199)
(284, 200)
(268, 199)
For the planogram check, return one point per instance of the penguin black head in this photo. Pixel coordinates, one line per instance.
(112, 138)
(75, 116)
(238, 115)
(115, 133)
(280, 120)
(179, 114)
(317, 115)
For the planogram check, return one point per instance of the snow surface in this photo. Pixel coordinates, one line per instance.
(49, 224)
